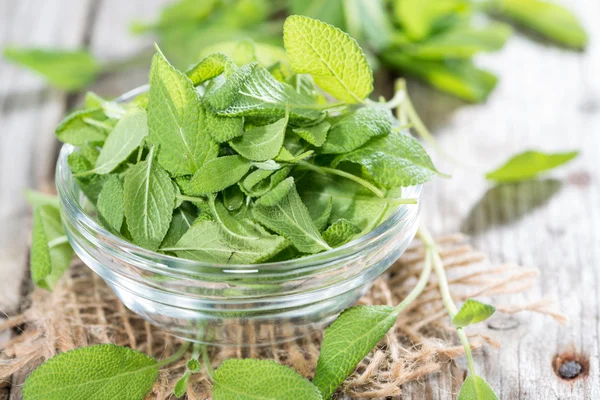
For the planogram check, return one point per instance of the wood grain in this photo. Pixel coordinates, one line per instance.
(548, 98)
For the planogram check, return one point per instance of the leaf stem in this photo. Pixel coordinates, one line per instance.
(344, 174)
(206, 362)
(419, 287)
(451, 308)
(176, 356)
(58, 241)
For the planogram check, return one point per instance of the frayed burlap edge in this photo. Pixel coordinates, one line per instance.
(83, 311)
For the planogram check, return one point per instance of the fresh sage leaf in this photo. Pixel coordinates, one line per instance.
(217, 175)
(458, 77)
(340, 232)
(352, 130)
(315, 134)
(472, 312)
(322, 218)
(51, 253)
(263, 142)
(251, 91)
(343, 73)
(347, 341)
(261, 181)
(174, 120)
(282, 211)
(420, 18)
(127, 136)
(261, 379)
(68, 70)
(222, 129)
(76, 131)
(110, 204)
(182, 221)
(233, 198)
(548, 18)
(100, 372)
(393, 160)
(210, 67)
(149, 199)
(529, 164)
(476, 388)
(181, 385)
(111, 109)
(91, 184)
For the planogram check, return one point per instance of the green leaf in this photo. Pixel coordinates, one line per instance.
(340, 232)
(347, 341)
(100, 372)
(472, 312)
(261, 181)
(352, 130)
(217, 175)
(222, 129)
(233, 198)
(36, 198)
(182, 221)
(210, 67)
(50, 253)
(529, 164)
(261, 379)
(246, 50)
(321, 218)
(127, 136)
(263, 142)
(68, 70)
(90, 184)
(207, 241)
(369, 22)
(76, 131)
(315, 134)
(282, 211)
(461, 42)
(174, 120)
(393, 160)
(181, 385)
(252, 91)
(548, 18)
(420, 17)
(344, 72)
(149, 199)
(110, 204)
(110, 108)
(476, 388)
(459, 78)
(193, 365)
(330, 11)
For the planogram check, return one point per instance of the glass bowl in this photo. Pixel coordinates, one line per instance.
(233, 305)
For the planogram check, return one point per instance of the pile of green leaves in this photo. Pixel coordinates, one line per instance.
(434, 40)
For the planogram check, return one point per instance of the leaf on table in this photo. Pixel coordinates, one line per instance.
(210, 67)
(128, 135)
(207, 241)
(261, 379)
(282, 211)
(340, 232)
(472, 312)
(74, 129)
(419, 18)
(68, 70)
(181, 385)
(110, 204)
(174, 120)
(476, 388)
(253, 92)
(458, 77)
(149, 199)
(461, 42)
(262, 142)
(315, 134)
(529, 164)
(100, 372)
(352, 130)
(347, 341)
(217, 175)
(393, 160)
(48, 260)
(332, 57)
(547, 18)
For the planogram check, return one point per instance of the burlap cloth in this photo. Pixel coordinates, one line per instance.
(83, 311)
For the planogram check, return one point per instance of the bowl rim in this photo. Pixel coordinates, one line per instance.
(65, 183)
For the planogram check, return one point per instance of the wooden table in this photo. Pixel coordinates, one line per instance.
(547, 98)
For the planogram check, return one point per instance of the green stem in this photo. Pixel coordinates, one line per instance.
(344, 174)
(175, 357)
(58, 241)
(420, 286)
(206, 361)
(451, 308)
